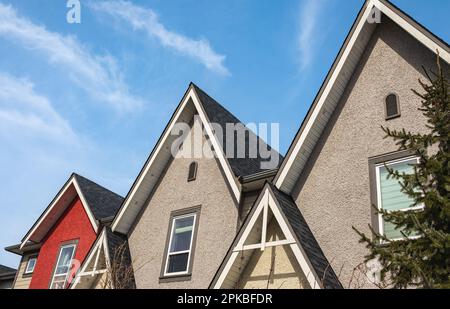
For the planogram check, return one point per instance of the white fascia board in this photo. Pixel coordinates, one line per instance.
(86, 206)
(298, 146)
(416, 33)
(55, 202)
(404, 24)
(96, 247)
(218, 150)
(302, 259)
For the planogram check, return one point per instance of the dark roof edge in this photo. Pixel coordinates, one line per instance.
(258, 176)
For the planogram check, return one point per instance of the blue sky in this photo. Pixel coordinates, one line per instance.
(94, 97)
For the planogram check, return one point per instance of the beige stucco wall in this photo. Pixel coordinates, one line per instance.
(333, 192)
(21, 281)
(216, 230)
(273, 268)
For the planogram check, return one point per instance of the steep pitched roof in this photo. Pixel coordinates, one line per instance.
(103, 202)
(118, 242)
(98, 202)
(298, 235)
(210, 112)
(6, 271)
(307, 240)
(218, 114)
(109, 247)
(337, 78)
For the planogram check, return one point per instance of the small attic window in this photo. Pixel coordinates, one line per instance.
(392, 106)
(192, 171)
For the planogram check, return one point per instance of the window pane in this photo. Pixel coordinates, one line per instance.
(66, 256)
(30, 265)
(59, 282)
(62, 270)
(391, 105)
(178, 263)
(392, 198)
(182, 233)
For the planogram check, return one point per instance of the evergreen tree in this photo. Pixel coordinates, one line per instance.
(423, 261)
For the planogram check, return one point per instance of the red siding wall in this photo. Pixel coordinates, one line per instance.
(73, 225)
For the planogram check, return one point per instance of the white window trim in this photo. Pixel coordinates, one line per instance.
(167, 274)
(27, 271)
(379, 204)
(57, 262)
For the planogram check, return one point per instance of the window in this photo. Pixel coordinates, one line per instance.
(392, 107)
(389, 195)
(62, 268)
(192, 171)
(29, 269)
(181, 243)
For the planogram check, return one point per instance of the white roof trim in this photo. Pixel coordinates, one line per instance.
(218, 150)
(406, 25)
(86, 207)
(267, 201)
(96, 249)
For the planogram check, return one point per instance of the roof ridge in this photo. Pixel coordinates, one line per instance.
(197, 88)
(98, 185)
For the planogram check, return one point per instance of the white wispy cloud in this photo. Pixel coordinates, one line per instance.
(98, 75)
(147, 20)
(308, 31)
(23, 112)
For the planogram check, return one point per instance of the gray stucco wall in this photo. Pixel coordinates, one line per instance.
(216, 230)
(333, 192)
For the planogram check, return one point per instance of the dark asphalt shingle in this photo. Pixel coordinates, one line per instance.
(118, 245)
(307, 240)
(220, 115)
(102, 202)
(5, 270)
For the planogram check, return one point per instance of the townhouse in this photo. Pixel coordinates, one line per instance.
(58, 242)
(214, 219)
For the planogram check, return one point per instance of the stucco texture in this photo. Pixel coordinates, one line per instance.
(273, 268)
(74, 225)
(333, 191)
(216, 229)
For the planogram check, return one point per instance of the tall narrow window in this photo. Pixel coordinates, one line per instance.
(192, 171)
(392, 107)
(389, 194)
(180, 245)
(62, 268)
(30, 265)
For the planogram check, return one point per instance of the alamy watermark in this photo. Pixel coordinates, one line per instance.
(73, 16)
(374, 16)
(194, 141)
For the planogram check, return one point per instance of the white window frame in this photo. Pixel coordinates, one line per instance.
(379, 204)
(189, 252)
(27, 270)
(57, 262)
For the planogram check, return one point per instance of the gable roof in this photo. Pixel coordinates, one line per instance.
(103, 202)
(216, 113)
(299, 237)
(307, 240)
(6, 271)
(339, 75)
(210, 112)
(110, 244)
(98, 202)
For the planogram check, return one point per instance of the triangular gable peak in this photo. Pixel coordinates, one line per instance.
(209, 112)
(338, 77)
(96, 263)
(108, 257)
(56, 209)
(275, 209)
